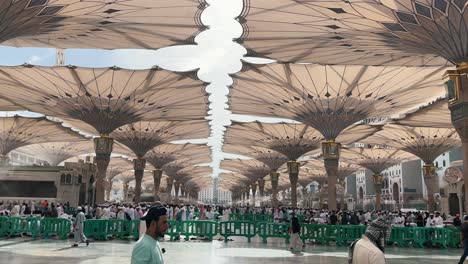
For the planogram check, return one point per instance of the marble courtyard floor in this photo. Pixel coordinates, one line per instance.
(42, 251)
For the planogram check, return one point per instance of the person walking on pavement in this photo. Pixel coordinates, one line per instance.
(464, 239)
(147, 249)
(79, 228)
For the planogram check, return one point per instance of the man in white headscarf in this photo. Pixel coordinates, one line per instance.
(370, 248)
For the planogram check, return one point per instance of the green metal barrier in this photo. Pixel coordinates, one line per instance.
(454, 233)
(59, 226)
(199, 228)
(134, 228)
(267, 229)
(251, 217)
(237, 228)
(174, 230)
(96, 228)
(345, 234)
(30, 225)
(116, 228)
(311, 232)
(70, 211)
(4, 225)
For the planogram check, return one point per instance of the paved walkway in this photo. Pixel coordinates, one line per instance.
(28, 251)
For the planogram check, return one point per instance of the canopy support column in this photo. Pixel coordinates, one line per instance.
(378, 181)
(457, 93)
(331, 156)
(176, 191)
(103, 149)
(254, 192)
(157, 175)
(139, 168)
(170, 182)
(274, 188)
(261, 190)
(293, 170)
(432, 185)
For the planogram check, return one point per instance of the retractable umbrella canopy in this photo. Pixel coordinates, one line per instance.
(105, 98)
(100, 24)
(393, 32)
(332, 98)
(20, 131)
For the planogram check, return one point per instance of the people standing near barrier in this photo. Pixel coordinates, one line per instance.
(438, 220)
(147, 249)
(464, 239)
(295, 242)
(79, 228)
(457, 221)
(370, 248)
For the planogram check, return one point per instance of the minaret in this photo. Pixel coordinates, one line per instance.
(60, 57)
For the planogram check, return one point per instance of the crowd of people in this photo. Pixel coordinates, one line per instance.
(131, 211)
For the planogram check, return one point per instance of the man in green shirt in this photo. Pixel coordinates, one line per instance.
(147, 249)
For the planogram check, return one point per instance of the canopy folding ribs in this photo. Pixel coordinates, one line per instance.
(436, 114)
(143, 136)
(291, 140)
(271, 158)
(167, 153)
(332, 98)
(394, 32)
(55, 153)
(20, 131)
(105, 98)
(427, 143)
(100, 24)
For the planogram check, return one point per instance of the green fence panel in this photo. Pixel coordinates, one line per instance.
(345, 234)
(269, 229)
(199, 228)
(134, 228)
(454, 234)
(310, 232)
(116, 227)
(59, 226)
(237, 228)
(4, 225)
(30, 225)
(174, 230)
(70, 211)
(96, 228)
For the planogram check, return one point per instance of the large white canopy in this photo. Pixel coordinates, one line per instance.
(332, 98)
(100, 24)
(360, 32)
(104, 99)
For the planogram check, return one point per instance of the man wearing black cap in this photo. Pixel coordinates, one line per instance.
(464, 238)
(147, 250)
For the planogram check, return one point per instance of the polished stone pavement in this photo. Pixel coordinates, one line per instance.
(42, 251)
